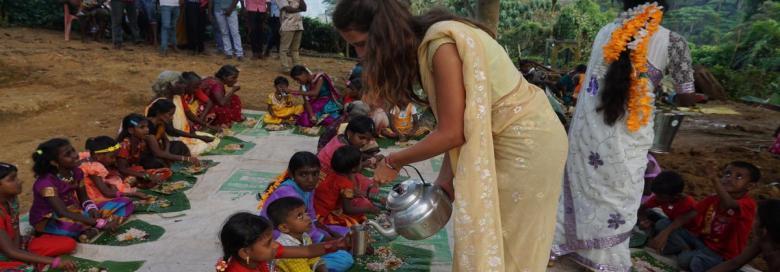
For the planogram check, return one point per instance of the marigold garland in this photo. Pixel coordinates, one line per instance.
(271, 188)
(635, 33)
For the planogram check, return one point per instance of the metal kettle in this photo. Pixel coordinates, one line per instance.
(418, 210)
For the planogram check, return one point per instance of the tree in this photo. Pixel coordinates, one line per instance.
(487, 13)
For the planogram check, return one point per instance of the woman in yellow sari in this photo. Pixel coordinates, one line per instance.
(504, 146)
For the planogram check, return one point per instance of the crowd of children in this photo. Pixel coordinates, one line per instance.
(712, 234)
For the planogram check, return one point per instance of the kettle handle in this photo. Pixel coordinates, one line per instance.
(416, 170)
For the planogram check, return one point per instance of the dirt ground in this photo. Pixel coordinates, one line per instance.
(53, 88)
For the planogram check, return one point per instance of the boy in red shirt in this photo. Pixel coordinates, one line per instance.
(679, 209)
(726, 219)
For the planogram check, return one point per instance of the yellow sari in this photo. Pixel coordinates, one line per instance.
(506, 182)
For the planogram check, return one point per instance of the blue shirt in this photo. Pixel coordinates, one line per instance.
(222, 4)
(275, 12)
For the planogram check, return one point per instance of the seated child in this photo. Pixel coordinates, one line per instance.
(766, 240)
(678, 211)
(103, 184)
(354, 91)
(359, 133)
(321, 99)
(162, 133)
(248, 245)
(299, 181)
(43, 250)
(339, 200)
(291, 219)
(404, 122)
(135, 160)
(60, 206)
(726, 219)
(351, 110)
(283, 109)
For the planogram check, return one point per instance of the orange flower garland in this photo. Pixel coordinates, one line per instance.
(639, 28)
(271, 188)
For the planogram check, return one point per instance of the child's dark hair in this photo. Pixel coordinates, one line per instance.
(298, 70)
(45, 153)
(281, 80)
(668, 183)
(99, 143)
(281, 208)
(226, 71)
(755, 173)
(160, 106)
(190, 77)
(582, 68)
(362, 125)
(6, 169)
(767, 216)
(346, 159)
(242, 230)
(302, 159)
(356, 84)
(130, 121)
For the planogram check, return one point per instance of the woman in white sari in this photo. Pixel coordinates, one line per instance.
(611, 133)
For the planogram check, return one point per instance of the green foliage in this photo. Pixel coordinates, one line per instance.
(33, 13)
(321, 37)
(751, 81)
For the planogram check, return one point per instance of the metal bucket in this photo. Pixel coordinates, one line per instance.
(665, 128)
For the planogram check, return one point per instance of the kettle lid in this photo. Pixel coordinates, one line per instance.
(405, 194)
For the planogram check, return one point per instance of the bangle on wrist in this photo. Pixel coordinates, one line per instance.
(390, 164)
(100, 223)
(56, 262)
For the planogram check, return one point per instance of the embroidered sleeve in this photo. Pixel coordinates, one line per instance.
(680, 64)
(49, 192)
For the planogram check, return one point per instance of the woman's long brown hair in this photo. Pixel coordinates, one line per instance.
(390, 63)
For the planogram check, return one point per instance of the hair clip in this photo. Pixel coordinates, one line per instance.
(135, 123)
(39, 152)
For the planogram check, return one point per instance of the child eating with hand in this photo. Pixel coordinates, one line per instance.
(291, 219)
(726, 219)
(248, 245)
(283, 108)
(43, 250)
(339, 199)
(678, 209)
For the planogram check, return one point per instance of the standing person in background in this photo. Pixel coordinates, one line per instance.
(291, 31)
(273, 24)
(169, 13)
(149, 7)
(227, 19)
(256, 14)
(118, 9)
(195, 18)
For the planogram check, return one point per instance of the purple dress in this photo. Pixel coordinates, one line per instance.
(289, 188)
(45, 219)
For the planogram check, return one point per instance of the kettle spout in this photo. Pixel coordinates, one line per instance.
(386, 232)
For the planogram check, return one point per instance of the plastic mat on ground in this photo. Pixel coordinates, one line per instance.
(153, 233)
(231, 146)
(163, 204)
(85, 265)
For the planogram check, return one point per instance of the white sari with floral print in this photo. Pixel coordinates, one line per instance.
(606, 164)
